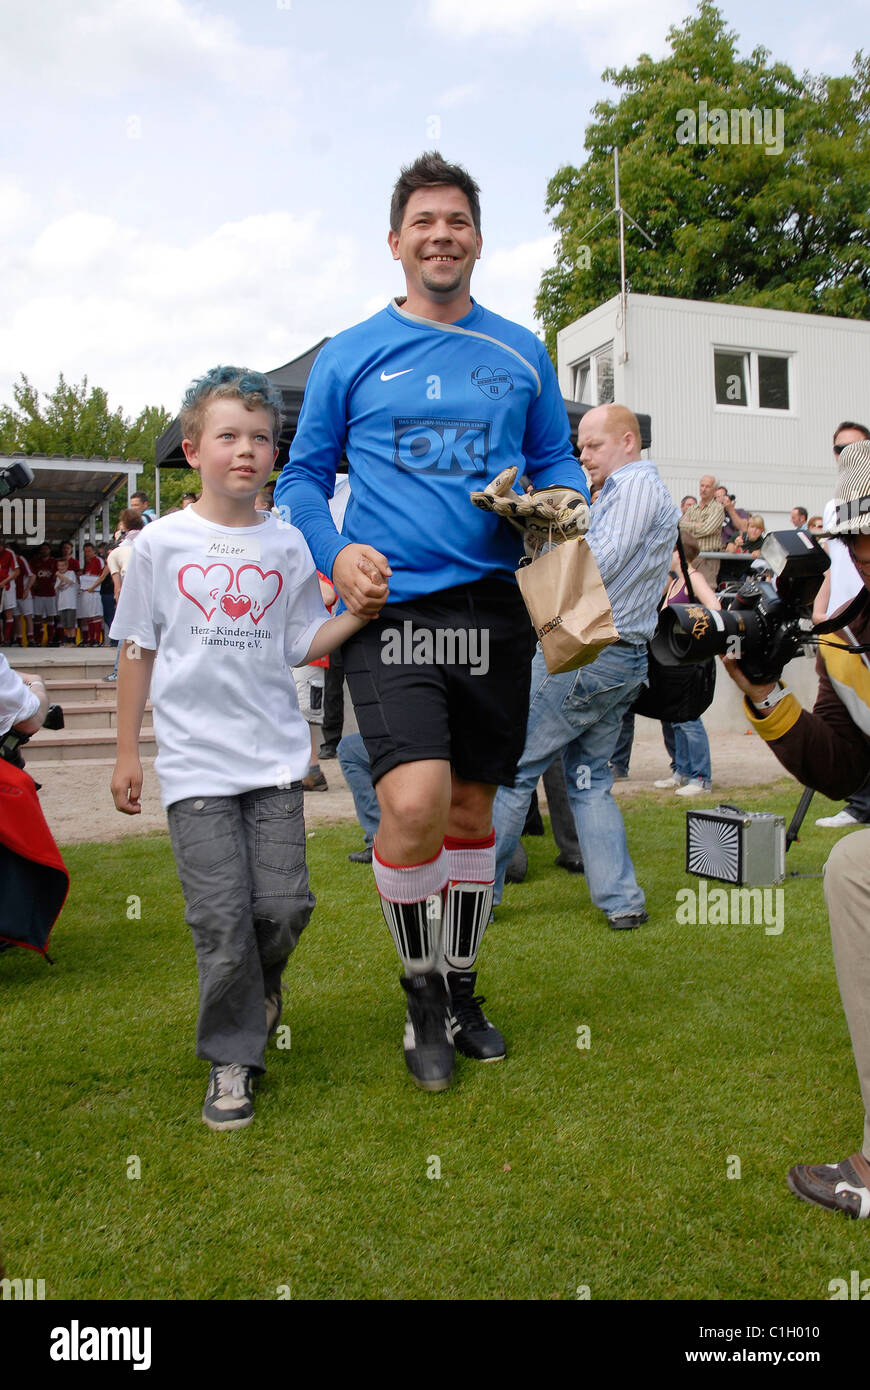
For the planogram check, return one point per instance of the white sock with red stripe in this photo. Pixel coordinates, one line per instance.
(471, 866)
(411, 901)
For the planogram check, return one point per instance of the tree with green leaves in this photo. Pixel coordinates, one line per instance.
(753, 183)
(74, 419)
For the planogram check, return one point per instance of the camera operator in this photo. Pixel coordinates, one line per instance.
(23, 700)
(829, 750)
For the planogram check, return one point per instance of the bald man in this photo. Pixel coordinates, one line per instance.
(704, 521)
(579, 713)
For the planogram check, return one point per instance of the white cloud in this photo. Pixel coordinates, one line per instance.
(613, 31)
(16, 208)
(103, 46)
(140, 316)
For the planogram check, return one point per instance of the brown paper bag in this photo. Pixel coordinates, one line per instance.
(567, 605)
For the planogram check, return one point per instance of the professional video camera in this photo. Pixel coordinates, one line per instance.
(14, 476)
(763, 624)
(12, 741)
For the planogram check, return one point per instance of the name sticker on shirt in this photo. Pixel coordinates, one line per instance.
(222, 548)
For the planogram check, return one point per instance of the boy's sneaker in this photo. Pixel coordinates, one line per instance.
(428, 1041)
(838, 1186)
(229, 1100)
(473, 1034)
(273, 1014)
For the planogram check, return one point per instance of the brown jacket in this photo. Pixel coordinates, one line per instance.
(828, 749)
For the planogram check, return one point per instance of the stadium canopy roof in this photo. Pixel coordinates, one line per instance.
(68, 499)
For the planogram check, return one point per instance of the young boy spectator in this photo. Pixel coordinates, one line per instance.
(66, 594)
(227, 600)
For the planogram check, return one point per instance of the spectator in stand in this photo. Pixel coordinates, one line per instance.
(705, 521)
(24, 602)
(187, 498)
(687, 502)
(799, 517)
(735, 518)
(815, 525)
(66, 593)
(140, 504)
(44, 600)
(8, 575)
(67, 553)
(750, 541)
(131, 525)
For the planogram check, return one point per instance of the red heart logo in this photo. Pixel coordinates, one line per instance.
(200, 589)
(262, 589)
(235, 607)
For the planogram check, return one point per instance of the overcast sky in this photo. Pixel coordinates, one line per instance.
(190, 183)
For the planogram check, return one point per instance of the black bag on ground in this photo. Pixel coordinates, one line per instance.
(677, 694)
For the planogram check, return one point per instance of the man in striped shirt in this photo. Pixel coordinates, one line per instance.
(632, 535)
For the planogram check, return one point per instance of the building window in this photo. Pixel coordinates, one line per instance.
(751, 380)
(593, 377)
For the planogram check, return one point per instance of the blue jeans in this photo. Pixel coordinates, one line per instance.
(354, 763)
(579, 713)
(692, 751)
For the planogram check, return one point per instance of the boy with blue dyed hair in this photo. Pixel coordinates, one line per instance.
(220, 602)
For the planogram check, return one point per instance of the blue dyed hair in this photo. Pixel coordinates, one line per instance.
(254, 390)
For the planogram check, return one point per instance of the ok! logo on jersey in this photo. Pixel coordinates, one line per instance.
(246, 591)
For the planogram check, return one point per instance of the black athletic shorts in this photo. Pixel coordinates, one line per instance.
(445, 676)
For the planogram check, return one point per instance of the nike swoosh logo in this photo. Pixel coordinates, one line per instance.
(389, 376)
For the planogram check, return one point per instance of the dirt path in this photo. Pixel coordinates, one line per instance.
(78, 805)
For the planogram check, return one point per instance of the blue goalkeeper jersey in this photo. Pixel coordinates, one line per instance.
(427, 413)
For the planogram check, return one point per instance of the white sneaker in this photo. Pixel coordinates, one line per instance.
(695, 787)
(838, 822)
(675, 780)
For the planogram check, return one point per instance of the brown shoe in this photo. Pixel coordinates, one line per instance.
(315, 782)
(838, 1186)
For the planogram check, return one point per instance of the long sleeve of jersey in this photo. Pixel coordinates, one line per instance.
(426, 413)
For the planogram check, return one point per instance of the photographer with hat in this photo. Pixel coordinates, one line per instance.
(829, 750)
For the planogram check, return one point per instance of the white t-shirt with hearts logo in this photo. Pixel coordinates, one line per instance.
(229, 611)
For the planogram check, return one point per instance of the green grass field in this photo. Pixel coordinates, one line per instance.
(561, 1167)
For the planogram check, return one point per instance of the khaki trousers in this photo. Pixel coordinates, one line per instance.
(847, 894)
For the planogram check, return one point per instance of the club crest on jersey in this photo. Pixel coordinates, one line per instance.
(441, 446)
(494, 383)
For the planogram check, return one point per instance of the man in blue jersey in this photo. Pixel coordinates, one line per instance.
(432, 398)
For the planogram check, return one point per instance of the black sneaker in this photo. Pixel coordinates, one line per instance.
(628, 921)
(473, 1034)
(327, 751)
(838, 1186)
(428, 1042)
(361, 856)
(229, 1100)
(572, 862)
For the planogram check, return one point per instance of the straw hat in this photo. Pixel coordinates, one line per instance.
(852, 499)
